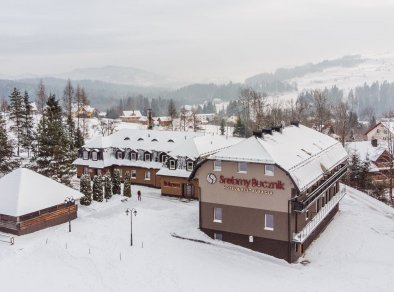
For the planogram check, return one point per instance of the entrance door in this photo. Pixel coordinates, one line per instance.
(188, 190)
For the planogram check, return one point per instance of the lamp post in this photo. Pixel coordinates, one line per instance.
(69, 201)
(131, 211)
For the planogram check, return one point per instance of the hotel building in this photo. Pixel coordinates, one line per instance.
(273, 192)
(160, 159)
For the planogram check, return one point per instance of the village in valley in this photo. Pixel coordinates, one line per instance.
(196, 146)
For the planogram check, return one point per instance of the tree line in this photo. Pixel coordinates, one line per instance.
(50, 139)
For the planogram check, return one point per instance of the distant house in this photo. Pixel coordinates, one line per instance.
(163, 121)
(30, 202)
(382, 131)
(85, 111)
(33, 108)
(376, 153)
(133, 116)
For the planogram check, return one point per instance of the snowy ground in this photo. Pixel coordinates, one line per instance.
(353, 254)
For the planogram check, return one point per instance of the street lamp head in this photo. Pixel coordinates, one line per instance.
(69, 200)
(131, 211)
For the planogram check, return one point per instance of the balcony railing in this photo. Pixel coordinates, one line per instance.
(301, 206)
(301, 236)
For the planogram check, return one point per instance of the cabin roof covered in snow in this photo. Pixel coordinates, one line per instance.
(24, 191)
(132, 114)
(303, 152)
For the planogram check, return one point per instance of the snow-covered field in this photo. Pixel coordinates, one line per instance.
(353, 254)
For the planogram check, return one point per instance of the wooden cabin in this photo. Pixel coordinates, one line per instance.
(30, 202)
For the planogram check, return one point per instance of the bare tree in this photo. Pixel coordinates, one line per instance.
(195, 120)
(321, 107)
(254, 105)
(68, 98)
(342, 121)
(42, 97)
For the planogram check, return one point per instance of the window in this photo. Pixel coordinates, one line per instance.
(119, 155)
(377, 131)
(147, 157)
(218, 236)
(94, 155)
(251, 238)
(242, 167)
(172, 164)
(269, 170)
(217, 165)
(133, 174)
(133, 156)
(269, 222)
(85, 155)
(189, 165)
(98, 171)
(163, 158)
(307, 215)
(217, 215)
(86, 170)
(147, 175)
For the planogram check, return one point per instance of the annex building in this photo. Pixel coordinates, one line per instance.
(160, 159)
(273, 192)
(30, 202)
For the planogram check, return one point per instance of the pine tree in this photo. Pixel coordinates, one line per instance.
(172, 111)
(239, 128)
(7, 163)
(55, 150)
(98, 188)
(127, 185)
(16, 116)
(86, 189)
(108, 186)
(222, 129)
(116, 182)
(27, 125)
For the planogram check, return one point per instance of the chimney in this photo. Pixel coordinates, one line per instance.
(374, 142)
(277, 129)
(295, 123)
(267, 131)
(150, 120)
(258, 134)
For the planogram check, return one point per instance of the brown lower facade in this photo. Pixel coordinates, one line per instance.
(179, 187)
(246, 227)
(139, 175)
(38, 220)
(169, 185)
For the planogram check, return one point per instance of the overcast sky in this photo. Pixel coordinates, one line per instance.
(189, 39)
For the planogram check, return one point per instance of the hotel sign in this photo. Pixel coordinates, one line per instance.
(252, 185)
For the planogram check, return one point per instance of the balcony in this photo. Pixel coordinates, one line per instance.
(301, 206)
(301, 236)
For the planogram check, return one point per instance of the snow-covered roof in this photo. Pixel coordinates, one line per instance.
(366, 150)
(24, 191)
(132, 114)
(304, 153)
(174, 172)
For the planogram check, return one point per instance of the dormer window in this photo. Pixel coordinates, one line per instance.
(127, 139)
(170, 141)
(189, 165)
(85, 155)
(133, 156)
(119, 155)
(172, 164)
(140, 139)
(94, 155)
(154, 140)
(147, 157)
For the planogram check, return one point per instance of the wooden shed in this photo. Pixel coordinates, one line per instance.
(30, 202)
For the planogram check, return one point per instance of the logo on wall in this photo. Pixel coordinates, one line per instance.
(211, 178)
